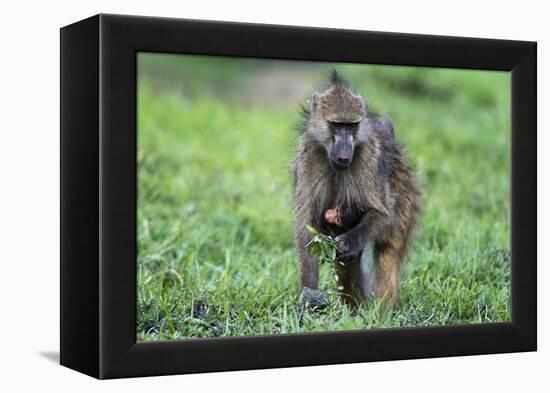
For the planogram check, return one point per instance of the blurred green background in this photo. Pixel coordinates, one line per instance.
(216, 137)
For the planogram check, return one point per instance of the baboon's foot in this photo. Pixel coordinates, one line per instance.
(313, 299)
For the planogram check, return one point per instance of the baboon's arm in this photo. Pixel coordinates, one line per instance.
(374, 226)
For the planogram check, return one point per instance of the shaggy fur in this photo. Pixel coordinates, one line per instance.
(376, 195)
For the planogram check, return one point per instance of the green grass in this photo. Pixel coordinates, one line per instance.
(216, 254)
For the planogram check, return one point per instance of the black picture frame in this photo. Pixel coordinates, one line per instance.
(98, 195)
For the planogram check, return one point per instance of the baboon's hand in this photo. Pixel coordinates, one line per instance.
(348, 245)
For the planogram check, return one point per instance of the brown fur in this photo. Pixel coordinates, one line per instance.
(376, 192)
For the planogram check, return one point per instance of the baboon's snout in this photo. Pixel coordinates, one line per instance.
(344, 159)
(342, 153)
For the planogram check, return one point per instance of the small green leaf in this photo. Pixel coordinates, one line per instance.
(312, 230)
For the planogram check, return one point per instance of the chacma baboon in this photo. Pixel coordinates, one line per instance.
(352, 182)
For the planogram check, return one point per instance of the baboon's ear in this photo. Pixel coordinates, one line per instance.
(314, 101)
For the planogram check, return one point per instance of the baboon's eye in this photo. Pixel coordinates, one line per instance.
(351, 127)
(343, 124)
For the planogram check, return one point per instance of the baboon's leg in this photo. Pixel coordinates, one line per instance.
(349, 277)
(310, 296)
(358, 277)
(308, 265)
(388, 270)
(309, 271)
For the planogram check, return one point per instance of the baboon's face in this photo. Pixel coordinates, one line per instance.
(342, 144)
(337, 118)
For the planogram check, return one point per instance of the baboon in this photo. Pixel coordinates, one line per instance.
(352, 182)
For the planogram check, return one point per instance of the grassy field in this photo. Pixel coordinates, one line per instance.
(216, 139)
